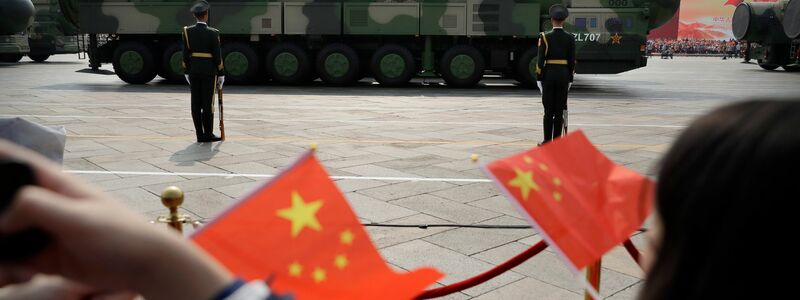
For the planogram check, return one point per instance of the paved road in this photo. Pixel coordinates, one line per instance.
(402, 156)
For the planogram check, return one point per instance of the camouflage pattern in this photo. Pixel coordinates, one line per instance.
(769, 29)
(610, 34)
(168, 17)
(15, 17)
(312, 17)
(51, 33)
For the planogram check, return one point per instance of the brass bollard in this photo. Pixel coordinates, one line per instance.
(172, 198)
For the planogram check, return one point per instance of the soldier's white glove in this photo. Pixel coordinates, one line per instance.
(220, 81)
(539, 84)
(569, 86)
(187, 79)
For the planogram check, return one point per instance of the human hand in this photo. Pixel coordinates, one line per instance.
(569, 86)
(220, 81)
(539, 84)
(97, 241)
(187, 79)
(58, 288)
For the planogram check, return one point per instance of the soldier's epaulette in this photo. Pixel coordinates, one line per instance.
(214, 29)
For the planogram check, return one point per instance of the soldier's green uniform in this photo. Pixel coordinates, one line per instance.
(555, 69)
(202, 60)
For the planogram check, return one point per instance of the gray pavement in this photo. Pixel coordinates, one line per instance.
(401, 156)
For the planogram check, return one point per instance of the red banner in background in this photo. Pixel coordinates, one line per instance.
(700, 20)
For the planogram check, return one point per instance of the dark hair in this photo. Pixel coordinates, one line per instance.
(200, 14)
(724, 200)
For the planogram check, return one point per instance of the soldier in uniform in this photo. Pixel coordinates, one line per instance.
(555, 69)
(202, 61)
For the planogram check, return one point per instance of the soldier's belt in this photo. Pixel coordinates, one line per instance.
(556, 61)
(205, 55)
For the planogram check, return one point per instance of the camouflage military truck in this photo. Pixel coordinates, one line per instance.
(51, 32)
(342, 41)
(773, 32)
(15, 17)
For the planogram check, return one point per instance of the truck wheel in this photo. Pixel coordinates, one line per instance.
(525, 71)
(393, 65)
(172, 64)
(134, 63)
(794, 68)
(766, 66)
(241, 63)
(39, 58)
(462, 66)
(288, 64)
(338, 64)
(10, 58)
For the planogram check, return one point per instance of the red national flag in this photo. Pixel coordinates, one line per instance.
(582, 203)
(299, 230)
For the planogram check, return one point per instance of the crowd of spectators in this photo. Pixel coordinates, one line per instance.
(667, 48)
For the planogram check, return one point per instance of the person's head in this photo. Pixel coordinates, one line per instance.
(723, 202)
(558, 13)
(200, 10)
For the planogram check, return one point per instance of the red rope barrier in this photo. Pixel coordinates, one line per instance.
(485, 276)
(633, 251)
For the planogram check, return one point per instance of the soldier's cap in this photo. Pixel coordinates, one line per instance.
(200, 7)
(559, 12)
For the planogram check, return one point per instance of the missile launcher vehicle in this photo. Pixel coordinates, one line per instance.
(342, 41)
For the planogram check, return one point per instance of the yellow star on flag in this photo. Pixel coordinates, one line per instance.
(301, 214)
(557, 196)
(616, 38)
(319, 275)
(340, 261)
(295, 269)
(524, 181)
(346, 237)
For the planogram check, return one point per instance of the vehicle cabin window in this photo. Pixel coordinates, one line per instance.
(593, 22)
(580, 23)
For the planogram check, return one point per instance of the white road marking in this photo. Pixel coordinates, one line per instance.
(265, 119)
(231, 175)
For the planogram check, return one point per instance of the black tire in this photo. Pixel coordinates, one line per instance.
(39, 58)
(241, 63)
(401, 57)
(794, 68)
(338, 64)
(522, 68)
(171, 67)
(10, 58)
(299, 64)
(139, 67)
(457, 54)
(767, 66)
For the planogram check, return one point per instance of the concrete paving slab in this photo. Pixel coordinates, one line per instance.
(425, 131)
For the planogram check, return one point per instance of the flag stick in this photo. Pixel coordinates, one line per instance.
(593, 276)
(221, 119)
